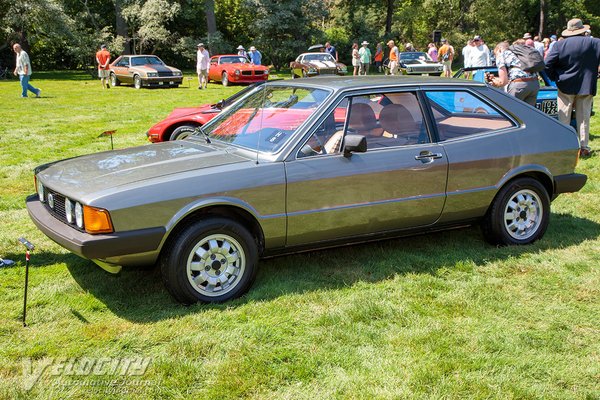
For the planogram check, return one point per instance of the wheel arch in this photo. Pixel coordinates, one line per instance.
(538, 173)
(169, 130)
(236, 211)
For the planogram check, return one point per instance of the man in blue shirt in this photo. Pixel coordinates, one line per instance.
(331, 50)
(573, 64)
(255, 56)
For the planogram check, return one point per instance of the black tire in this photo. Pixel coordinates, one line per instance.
(137, 82)
(114, 81)
(181, 255)
(181, 132)
(225, 79)
(506, 221)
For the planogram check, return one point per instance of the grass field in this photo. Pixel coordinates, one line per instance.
(438, 316)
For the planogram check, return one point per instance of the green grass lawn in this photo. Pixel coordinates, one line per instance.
(438, 316)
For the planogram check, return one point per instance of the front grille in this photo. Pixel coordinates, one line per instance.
(165, 73)
(247, 73)
(59, 207)
(259, 72)
(327, 71)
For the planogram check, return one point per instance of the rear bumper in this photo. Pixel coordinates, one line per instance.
(93, 246)
(569, 183)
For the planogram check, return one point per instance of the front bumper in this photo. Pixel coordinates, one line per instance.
(569, 183)
(162, 81)
(93, 246)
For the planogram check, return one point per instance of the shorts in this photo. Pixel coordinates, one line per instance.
(103, 73)
(447, 66)
(203, 73)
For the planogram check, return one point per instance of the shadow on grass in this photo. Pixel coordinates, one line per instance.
(138, 294)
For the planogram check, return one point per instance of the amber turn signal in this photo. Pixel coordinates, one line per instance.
(96, 220)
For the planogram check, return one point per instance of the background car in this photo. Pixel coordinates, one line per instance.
(416, 63)
(298, 165)
(143, 70)
(231, 68)
(182, 122)
(313, 64)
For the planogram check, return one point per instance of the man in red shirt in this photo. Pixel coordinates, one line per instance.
(103, 59)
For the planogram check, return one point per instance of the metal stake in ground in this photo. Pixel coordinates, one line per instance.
(30, 247)
(109, 133)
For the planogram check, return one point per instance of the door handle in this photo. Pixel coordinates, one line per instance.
(428, 156)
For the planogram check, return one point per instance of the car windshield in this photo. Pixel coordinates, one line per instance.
(266, 119)
(319, 57)
(146, 61)
(233, 60)
(415, 56)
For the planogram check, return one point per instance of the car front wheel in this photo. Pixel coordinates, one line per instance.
(137, 82)
(519, 214)
(181, 132)
(211, 261)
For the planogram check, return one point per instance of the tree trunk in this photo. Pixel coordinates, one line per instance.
(122, 27)
(211, 22)
(542, 19)
(388, 17)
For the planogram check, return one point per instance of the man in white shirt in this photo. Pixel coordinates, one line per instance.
(539, 46)
(466, 53)
(480, 53)
(23, 70)
(202, 66)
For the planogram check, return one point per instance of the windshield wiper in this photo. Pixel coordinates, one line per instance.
(200, 129)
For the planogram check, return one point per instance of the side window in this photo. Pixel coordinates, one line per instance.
(329, 135)
(388, 120)
(124, 62)
(459, 113)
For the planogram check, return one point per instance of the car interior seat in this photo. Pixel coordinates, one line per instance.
(398, 123)
(362, 121)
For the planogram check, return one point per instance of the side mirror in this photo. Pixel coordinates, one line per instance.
(354, 144)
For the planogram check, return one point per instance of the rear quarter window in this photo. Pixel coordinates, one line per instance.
(459, 113)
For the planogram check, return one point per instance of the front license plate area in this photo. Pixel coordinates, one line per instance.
(548, 107)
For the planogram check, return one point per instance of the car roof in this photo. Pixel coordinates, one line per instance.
(314, 52)
(370, 82)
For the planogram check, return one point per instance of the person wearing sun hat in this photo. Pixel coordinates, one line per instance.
(242, 51)
(573, 64)
(365, 58)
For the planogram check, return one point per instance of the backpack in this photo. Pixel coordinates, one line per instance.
(531, 59)
(446, 56)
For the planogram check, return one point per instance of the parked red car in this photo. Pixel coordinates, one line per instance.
(183, 121)
(231, 68)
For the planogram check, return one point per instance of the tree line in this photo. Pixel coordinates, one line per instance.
(65, 34)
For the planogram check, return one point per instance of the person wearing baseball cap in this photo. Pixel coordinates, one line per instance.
(573, 64)
(394, 57)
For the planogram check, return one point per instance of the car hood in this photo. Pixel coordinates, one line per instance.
(154, 68)
(321, 64)
(419, 62)
(183, 111)
(81, 176)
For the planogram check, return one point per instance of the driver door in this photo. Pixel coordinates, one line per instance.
(398, 183)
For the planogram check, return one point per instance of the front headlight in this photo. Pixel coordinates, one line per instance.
(152, 74)
(312, 70)
(79, 215)
(177, 73)
(69, 210)
(237, 72)
(266, 72)
(40, 190)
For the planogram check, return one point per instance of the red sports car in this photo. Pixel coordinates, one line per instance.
(183, 121)
(231, 68)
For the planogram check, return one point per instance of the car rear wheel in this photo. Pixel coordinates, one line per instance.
(137, 82)
(211, 261)
(114, 81)
(225, 79)
(181, 132)
(519, 214)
